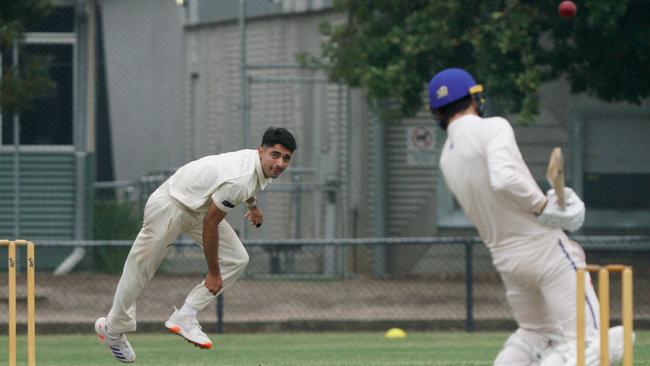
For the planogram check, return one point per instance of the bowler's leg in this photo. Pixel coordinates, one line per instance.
(160, 227)
(144, 259)
(149, 249)
(233, 260)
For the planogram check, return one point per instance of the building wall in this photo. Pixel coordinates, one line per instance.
(143, 43)
(411, 193)
(299, 99)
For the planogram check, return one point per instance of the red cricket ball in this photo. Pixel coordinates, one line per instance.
(567, 9)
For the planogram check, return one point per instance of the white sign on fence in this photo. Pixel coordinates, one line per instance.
(420, 146)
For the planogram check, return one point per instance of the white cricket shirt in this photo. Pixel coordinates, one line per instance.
(228, 179)
(484, 169)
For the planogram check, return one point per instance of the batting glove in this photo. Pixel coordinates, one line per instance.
(570, 218)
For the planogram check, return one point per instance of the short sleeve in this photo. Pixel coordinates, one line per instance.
(228, 196)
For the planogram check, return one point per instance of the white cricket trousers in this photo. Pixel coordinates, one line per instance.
(164, 220)
(540, 282)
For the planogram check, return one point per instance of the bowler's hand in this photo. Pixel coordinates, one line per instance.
(254, 215)
(213, 283)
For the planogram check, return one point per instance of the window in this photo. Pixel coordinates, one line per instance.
(614, 170)
(60, 20)
(49, 119)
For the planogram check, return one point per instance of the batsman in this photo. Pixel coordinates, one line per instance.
(521, 226)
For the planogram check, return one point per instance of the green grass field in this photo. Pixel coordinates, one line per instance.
(299, 349)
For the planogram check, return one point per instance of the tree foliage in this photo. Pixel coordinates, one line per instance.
(19, 85)
(391, 48)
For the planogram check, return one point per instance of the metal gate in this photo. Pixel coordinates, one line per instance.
(311, 199)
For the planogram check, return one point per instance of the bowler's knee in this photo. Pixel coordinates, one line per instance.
(240, 262)
(244, 260)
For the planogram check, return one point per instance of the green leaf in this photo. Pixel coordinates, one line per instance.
(392, 48)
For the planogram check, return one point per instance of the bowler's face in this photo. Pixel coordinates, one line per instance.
(274, 159)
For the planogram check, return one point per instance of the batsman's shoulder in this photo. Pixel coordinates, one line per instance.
(498, 122)
(498, 126)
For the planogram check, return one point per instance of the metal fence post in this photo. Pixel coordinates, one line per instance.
(469, 286)
(220, 314)
(16, 157)
(379, 198)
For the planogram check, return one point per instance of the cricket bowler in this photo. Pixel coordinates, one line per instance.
(195, 200)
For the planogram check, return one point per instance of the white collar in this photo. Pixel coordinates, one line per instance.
(260, 172)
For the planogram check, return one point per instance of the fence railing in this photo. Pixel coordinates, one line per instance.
(316, 284)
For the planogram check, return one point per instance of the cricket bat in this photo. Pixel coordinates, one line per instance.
(555, 174)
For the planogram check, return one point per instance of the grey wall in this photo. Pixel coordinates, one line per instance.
(296, 98)
(144, 64)
(210, 11)
(411, 197)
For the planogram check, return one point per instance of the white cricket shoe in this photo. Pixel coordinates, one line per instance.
(616, 344)
(119, 346)
(188, 327)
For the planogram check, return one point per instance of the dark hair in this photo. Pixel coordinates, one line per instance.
(449, 110)
(279, 135)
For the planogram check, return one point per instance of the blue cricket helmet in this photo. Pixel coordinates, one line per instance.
(450, 85)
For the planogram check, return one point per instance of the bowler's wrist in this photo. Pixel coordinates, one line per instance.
(251, 203)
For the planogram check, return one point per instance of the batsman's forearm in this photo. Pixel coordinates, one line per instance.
(211, 248)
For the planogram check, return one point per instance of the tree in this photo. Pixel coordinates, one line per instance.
(391, 48)
(19, 85)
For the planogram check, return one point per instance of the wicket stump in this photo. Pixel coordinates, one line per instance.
(31, 301)
(603, 297)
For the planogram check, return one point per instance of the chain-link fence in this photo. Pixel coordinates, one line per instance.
(312, 197)
(431, 283)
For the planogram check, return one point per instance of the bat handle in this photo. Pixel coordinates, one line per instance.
(561, 200)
